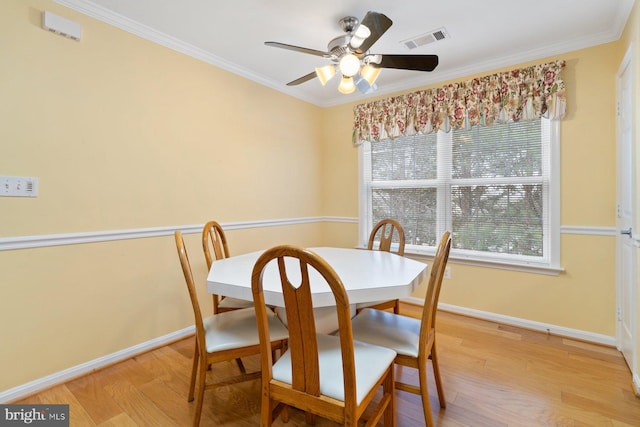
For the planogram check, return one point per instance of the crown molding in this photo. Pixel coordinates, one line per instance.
(134, 27)
(102, 14)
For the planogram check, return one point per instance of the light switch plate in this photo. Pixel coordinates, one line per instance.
(18, 186)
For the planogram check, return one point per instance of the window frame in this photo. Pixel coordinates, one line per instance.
(549, 264)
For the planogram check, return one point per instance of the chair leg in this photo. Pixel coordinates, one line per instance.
(310, 418)
(388, 386)
(436, 375)
(424, 393)
(284, 415)
(266, 410)
(194, 371)
(241, 366)
(202, 378)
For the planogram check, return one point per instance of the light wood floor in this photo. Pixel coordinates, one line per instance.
(493, 375)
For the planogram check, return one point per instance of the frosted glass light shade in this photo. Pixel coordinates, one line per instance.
(359, 36)
(349, 65)
(370, 73)
(325, 73)
(364, 86)
(346, 85)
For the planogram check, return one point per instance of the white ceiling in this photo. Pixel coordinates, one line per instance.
(484, 35)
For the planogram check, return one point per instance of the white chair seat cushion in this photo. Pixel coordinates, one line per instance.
(228, 302)
(401, 333)
(371, 363)
(239, 328)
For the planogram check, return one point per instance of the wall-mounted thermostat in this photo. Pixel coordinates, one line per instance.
(62, 26)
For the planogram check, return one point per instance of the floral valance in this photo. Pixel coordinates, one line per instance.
(523, 94)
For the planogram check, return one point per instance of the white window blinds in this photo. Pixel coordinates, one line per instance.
(489, 185)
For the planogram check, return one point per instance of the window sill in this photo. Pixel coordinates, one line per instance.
(502, 265)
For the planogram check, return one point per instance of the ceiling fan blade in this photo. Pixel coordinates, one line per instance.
(378, 24)
(299, 49)
(409, 62)
(302, 79)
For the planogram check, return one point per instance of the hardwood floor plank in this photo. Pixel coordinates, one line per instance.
(170, 402)
(169, 366)
(493, 375)
(131, 371)
(141, 409)
(90, 393)
(120, 420)
(62, 395)
(184, 347)
(616, 409)
(457, 415)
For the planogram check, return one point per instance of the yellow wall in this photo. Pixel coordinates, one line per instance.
(117, 121)
(125, 134)
(122, 134)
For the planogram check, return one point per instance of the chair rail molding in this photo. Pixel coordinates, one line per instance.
(45, 240)
(588, 230)
(39, 241)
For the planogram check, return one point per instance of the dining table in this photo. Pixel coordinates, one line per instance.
(367, 276)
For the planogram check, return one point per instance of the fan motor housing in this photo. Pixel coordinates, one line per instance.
(340, 45)
(349, 23)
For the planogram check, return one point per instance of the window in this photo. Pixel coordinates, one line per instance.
(495, 187)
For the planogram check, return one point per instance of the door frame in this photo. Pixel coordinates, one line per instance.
(627, 63)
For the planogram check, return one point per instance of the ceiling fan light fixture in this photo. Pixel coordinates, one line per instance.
(361, 34)
(349, 65)
(325, 73)
(349, 55)
(370, 73)
(346, 85)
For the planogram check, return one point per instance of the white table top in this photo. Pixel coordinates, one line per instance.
(367, 276)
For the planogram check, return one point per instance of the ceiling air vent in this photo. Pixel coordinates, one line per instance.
(430, 37)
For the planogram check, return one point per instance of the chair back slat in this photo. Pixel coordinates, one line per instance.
(301, 325)
(387, 228)
(214, 245)
(214, 242)
(303, 343)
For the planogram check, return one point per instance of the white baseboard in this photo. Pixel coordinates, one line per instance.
(524, 323)
(40, 384)
(35, 386)
(635, 383)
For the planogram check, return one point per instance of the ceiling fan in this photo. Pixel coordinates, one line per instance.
(350, 55)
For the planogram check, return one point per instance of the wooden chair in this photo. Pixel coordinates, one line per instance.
(387, 228)
(329, 376)
(413, 339)
(214, 245)
(223, 337)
